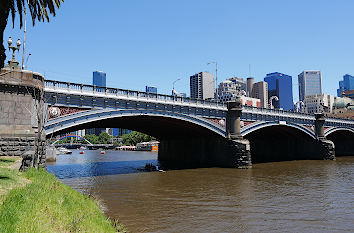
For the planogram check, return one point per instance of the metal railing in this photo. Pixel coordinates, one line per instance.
(108, 91)
(84, 88)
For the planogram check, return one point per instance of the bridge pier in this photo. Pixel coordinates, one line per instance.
(237, 147)
(326, 147)
(22, 115)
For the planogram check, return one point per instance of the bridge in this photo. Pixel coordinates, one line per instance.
(198, 131)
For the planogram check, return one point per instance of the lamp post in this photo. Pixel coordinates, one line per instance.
(13, 63)
(216, 77)
(173, 87)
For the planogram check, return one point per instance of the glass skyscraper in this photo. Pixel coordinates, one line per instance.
(310, 83)
(346, 85)
(99, 78)
(280, 85)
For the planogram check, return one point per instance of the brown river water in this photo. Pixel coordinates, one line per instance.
(295, 196)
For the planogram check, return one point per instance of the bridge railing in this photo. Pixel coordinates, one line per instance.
(59, 85)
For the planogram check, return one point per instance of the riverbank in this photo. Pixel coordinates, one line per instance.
(35, 201)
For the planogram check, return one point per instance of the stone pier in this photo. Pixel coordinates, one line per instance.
(326, 147)
(21, 115)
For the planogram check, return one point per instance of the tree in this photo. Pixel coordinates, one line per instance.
(104, 138)
(38, 11)
(135, 137)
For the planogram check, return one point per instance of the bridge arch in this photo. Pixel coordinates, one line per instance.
(343, 139)
(72, 136)
(155, 123)
(280, 141)
(262, 124)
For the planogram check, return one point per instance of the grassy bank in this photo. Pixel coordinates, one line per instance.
(38, 202)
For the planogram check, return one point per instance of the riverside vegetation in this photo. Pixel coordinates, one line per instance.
(35, 201)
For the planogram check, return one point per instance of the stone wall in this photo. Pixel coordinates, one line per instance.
(205, 152)
(21, 115)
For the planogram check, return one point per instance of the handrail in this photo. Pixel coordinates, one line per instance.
(146, 95)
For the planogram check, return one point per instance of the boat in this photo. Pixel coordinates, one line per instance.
(63, 150)
(82, 152)
(148, 146)
(103, 152)
(82, 148)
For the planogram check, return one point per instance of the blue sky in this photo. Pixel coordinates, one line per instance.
(155, 42)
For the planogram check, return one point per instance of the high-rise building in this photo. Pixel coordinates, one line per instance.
(260, 91)
(239, 82)
(149, 89)
(202, 86)
(99, 80)
(280, 85)
(310, 83)
(347, 84)
(250, 83)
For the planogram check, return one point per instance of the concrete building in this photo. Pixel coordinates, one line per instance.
(349, 94)
(310, 83)
(347, 84)
(202, 86)
(280, 85)
(249, 101)
(239, 82)
(260, 91)
(250, 83)
(319, 103)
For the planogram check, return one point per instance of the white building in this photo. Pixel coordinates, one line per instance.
(249, 101)
(202, 86)
(319, 103)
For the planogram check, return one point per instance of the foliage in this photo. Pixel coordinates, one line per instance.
(135, 137)
(47, 205)
(38, 10)
(104, 138)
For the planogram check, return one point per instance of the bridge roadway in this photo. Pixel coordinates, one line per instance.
(180, 121)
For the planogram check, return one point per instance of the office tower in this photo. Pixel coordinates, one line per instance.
(149, 89)
(250, 83)
(347, 84)
(202, 86)
(99, 79)
(260, 91)
(310, 83)
(280, 85)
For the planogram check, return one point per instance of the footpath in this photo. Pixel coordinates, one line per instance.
(36, 201)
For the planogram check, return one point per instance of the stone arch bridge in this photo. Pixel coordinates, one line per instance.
(199, 132)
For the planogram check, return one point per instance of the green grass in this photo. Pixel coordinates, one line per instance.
(47, 205)
(6, 161)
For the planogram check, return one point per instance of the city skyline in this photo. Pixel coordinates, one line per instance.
(155, 47)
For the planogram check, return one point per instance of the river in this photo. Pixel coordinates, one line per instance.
(295, 196)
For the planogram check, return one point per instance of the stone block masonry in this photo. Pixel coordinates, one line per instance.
(21, 116)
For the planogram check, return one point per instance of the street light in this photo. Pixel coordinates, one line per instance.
(216, 76)
(13, 63)
(173, 86)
